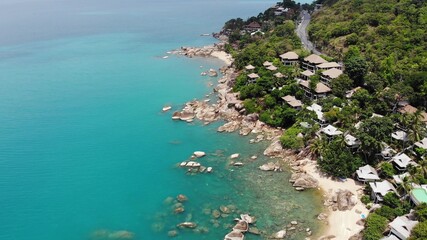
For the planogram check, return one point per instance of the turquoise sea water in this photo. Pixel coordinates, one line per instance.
(84, 146)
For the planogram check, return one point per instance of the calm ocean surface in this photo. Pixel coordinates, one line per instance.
(84, 147)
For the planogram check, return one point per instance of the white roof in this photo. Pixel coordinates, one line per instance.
(316, 108)
(250, 67)
(332, 73)
(422, 143)
(272, 68)
(367, 172)
(398, 179)
(289, 56)
(402, 160)
(253, 75)
(403, 225)
(307, 73)
(331, 131)
(351, 140)
(400, 135)
(382, 188)
(267, 63)
(329, 65)
(315, 59)
(391, 237)
(358, 124)
(278, 75)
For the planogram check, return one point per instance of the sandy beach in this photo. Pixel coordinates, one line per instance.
(223, 56)
(341, 224)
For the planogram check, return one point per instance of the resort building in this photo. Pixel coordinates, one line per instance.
(380, 189)
(351, 141)
(409, 109)
(252, 77)
(350, 93)
(402, 161)
(398, 179)
(289, 58)
(418, 195)
(421, 144)
(312, 61)
(400, 136)
(292, 101)
(331, 131)
(321, 90)
(387, 152)
(305, 75)
(328, 75)
(279, 75)
(267, 64)
(367, 174)
(252, 27)
(272, 68)
(317, 109)
(401, 227)
(249, 67)
(328, 65)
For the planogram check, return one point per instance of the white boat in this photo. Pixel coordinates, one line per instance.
(166, 108)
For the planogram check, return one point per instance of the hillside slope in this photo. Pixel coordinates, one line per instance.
(391, 35)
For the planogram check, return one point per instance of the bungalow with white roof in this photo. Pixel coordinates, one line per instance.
(330, 74)
(317, 109)
(321, 90)
(249, 67)
(387, 152)
(367, 174)
(422, 144)
(289, 58)
(292, 101)
(401, 227)
(380, 189)
(400, 136)
(402, 161)
(328, 65)
(398, 179)
(279, 75)
(252, 27)
(267, 64)
(351, 141)
(331, 131)
(312, 61)
(272, 68)
(252, 77)
(305, 75)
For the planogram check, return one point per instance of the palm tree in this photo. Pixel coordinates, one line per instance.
(317, 147)
(416, 126)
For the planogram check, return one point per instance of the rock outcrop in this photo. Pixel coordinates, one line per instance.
(304, 180)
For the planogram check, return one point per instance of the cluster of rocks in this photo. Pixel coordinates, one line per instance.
(341, 200)
(241, 227)
(113, 235)
(291, 227)
(205, 51)
(271, 167)
(196, 167)
(301, 181)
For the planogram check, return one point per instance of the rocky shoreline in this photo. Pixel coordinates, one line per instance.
(230, 109)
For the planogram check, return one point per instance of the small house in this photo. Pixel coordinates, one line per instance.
(331, 131)
(320, 91)
(317, 109)
(380, 189)
(330, 74)
(402, 226)
(305, 75)
(328, 65)
(252, 77)
(402, 161)
(292, 101)
(289, 58)
(252, 27)
(351, 141)
(312, 61)
(279, 75)
(249, 67)
(272, 68)
(367, 174)
(267, 64)
(421, 144)
(400, 136)
(387, 152)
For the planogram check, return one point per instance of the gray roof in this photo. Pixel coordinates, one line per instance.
(403, 225)
(400, 135)
(422, 143)
(350, 140)
(249, 67)
(331, 131)
(382, 188)
(367, 172)
(267, 63)
(253, 75)
(402, 160)
(328, 65)
(272, 68)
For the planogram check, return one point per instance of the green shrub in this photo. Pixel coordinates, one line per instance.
(374, 227)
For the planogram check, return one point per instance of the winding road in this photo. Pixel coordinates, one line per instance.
(302, 32)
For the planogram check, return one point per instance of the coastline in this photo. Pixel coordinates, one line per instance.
(340, 224)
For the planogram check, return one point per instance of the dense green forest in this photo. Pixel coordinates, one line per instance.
(391, 35)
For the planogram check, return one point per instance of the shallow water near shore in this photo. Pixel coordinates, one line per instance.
(84, 146)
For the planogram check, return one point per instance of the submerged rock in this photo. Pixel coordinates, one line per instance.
(187, 225)
(234, 156)
(173, 233)
(234, 235)
(199, 154)
(181, 198)
(270, 167)
(279, 235)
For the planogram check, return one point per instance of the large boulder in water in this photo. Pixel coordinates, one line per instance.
(304, 180)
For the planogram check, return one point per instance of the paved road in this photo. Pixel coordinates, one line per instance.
(302, 32)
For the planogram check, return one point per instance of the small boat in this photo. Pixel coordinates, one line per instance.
(164, 57)
(205, 34)
(166, 108)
